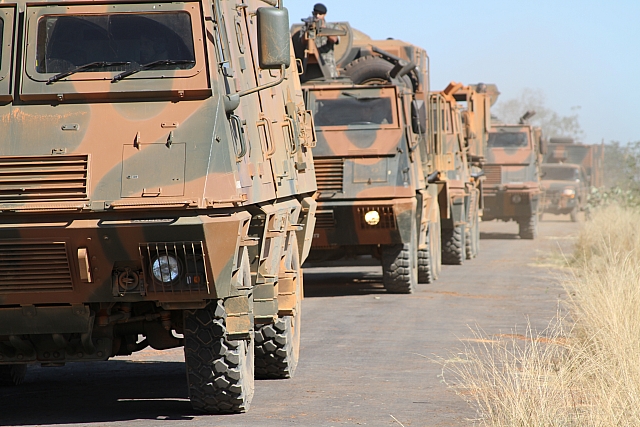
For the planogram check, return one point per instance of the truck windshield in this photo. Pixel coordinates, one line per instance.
(560, 173)
(353, 111)
(508, 139)
(66, 42)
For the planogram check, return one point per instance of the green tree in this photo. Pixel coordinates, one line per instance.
(552, 123)
(622, 165)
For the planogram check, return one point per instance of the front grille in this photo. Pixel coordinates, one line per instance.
(325, 219)
(329, 175)
(191, 263)
(493, 174)
(43, 178)
(387, 217)
(34, 267)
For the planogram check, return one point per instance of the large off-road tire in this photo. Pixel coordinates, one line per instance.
(429, 258)
(453, 246)
(12, 375)
(372, 70)
(574, 214)
(528, 227)
(400, 268)
(277, 346)
(219, 370)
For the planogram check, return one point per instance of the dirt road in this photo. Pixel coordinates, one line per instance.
(366, 357)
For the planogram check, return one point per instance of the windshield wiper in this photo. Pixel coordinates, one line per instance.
(151, 65)
(97, 64)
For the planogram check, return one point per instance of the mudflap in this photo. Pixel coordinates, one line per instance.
(307, 222)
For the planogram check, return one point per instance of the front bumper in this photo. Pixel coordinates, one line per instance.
(559, 204)
(343, 223)
(80, 261)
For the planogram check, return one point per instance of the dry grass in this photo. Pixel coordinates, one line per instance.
(584, 368)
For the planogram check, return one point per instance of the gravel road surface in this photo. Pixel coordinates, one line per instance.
(367, 357)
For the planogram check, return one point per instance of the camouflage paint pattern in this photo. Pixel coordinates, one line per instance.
(512, 176)
(99, 176)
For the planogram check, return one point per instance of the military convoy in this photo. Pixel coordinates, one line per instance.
(569, 172)
(394, 162)
(156, 181)
(158, 187)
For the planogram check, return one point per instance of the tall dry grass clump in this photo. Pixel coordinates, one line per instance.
(584, 369)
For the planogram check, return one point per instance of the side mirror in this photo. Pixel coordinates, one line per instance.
(273, 38)
(418, 117)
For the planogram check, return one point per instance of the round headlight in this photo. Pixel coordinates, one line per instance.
(165, 268)
(516, 198)
(569, 192)
(372, 217)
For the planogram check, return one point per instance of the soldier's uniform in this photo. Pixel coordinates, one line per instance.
(325, 49)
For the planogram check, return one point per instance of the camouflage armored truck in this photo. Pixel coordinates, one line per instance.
(156, 181)
(375, 199)
(569, 171)
(512, 175)
(459, 131)
(565, 189)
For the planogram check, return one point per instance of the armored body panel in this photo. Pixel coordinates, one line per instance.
(155, 177)
(512, 176)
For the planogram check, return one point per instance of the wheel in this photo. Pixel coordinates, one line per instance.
(574, 214)
(528, 227)
(429, 264)
(219, 370)
(453, 245)
(277, 346)
(426, 268)
(11, 375)
(400, 267)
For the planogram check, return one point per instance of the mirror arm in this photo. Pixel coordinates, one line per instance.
(232, 100)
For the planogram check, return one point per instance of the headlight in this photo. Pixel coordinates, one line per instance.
(165, 268)
(516, 198)
(569, 192)
(372, 217)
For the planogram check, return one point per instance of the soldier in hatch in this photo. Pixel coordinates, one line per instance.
(325, 44)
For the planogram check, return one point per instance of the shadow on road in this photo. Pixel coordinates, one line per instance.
(337, 284)
(499, 236)
(98, 392)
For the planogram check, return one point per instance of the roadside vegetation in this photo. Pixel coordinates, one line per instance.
(584, 368)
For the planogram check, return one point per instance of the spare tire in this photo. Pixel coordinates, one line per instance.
(372, 70)
(369, 70)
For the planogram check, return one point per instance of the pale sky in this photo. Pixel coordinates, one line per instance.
(579, 53)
